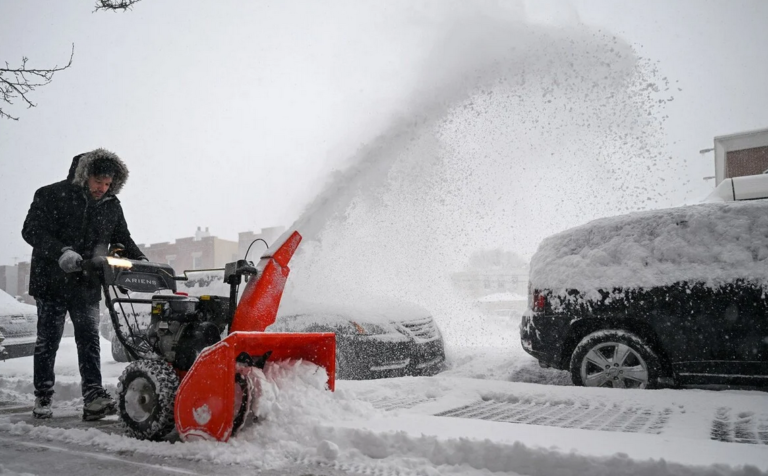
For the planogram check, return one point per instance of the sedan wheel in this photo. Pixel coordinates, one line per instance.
(614, 358)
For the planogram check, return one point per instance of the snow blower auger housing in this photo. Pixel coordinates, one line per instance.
(183, 374)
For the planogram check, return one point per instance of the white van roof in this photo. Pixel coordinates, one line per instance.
(748, 187)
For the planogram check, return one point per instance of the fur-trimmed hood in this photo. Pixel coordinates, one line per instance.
(81, 167)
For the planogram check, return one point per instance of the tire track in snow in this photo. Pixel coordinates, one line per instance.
(735, 426)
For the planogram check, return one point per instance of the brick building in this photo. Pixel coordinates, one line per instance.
(201, 251)
(204, 251)
(245, 238)
(745, 153)
(9, 280)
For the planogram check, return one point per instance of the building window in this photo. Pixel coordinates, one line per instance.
(197, 260)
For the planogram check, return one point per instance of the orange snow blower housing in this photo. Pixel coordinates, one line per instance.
(183, 375)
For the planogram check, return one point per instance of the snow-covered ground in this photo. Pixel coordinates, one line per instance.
(483, 415)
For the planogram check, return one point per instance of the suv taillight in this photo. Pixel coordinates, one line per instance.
(538, 301)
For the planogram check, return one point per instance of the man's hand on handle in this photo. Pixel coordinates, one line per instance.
(70, 261)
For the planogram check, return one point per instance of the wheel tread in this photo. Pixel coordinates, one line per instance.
(165, 382)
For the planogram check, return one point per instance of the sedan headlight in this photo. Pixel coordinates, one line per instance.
(366, 328)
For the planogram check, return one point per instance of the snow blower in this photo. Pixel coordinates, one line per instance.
(183, 374)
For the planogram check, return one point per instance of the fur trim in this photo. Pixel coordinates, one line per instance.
(83, 170)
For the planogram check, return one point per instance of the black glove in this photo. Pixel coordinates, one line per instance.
(70, 261)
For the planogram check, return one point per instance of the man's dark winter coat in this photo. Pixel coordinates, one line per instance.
(64, 214)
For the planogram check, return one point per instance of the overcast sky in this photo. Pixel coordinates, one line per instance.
(231, 115)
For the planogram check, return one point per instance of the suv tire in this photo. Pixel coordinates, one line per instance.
(614, 358)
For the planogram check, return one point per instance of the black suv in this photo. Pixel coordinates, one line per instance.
(677, 294)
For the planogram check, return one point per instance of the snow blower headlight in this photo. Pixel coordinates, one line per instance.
(119, 262)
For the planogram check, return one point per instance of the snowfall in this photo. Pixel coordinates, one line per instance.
(495, 147)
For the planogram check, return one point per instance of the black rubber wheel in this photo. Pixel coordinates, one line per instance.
(614, 359)
(138, 338)
(118, 351)
(146, 393)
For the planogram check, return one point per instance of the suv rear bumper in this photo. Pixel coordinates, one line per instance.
(542, 337)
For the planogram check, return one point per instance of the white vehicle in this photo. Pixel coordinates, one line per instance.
(18, 327)
(748, 187)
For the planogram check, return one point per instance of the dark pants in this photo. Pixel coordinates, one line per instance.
(50, 327)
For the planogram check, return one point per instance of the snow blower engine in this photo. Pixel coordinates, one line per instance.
(192, 357)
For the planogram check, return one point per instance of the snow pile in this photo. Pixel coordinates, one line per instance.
(712, 243)
(12, 307)
(389, 427)
(294, 393)
(8, 472)
(432, 456)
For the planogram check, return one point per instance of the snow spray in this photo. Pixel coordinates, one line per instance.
(514, 131)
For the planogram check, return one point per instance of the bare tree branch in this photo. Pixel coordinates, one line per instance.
(115, 4)
(18, 82)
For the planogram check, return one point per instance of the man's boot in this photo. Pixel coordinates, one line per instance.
(99, 406)
(42, 408)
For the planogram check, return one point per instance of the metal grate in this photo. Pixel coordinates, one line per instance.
(584, 415)
(743, 162)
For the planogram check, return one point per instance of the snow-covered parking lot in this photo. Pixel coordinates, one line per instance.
(469, 420)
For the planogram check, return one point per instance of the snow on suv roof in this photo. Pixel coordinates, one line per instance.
(711, 243)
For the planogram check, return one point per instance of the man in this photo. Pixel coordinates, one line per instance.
(70, 221)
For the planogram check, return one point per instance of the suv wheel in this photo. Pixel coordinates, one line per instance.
(614, 358)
